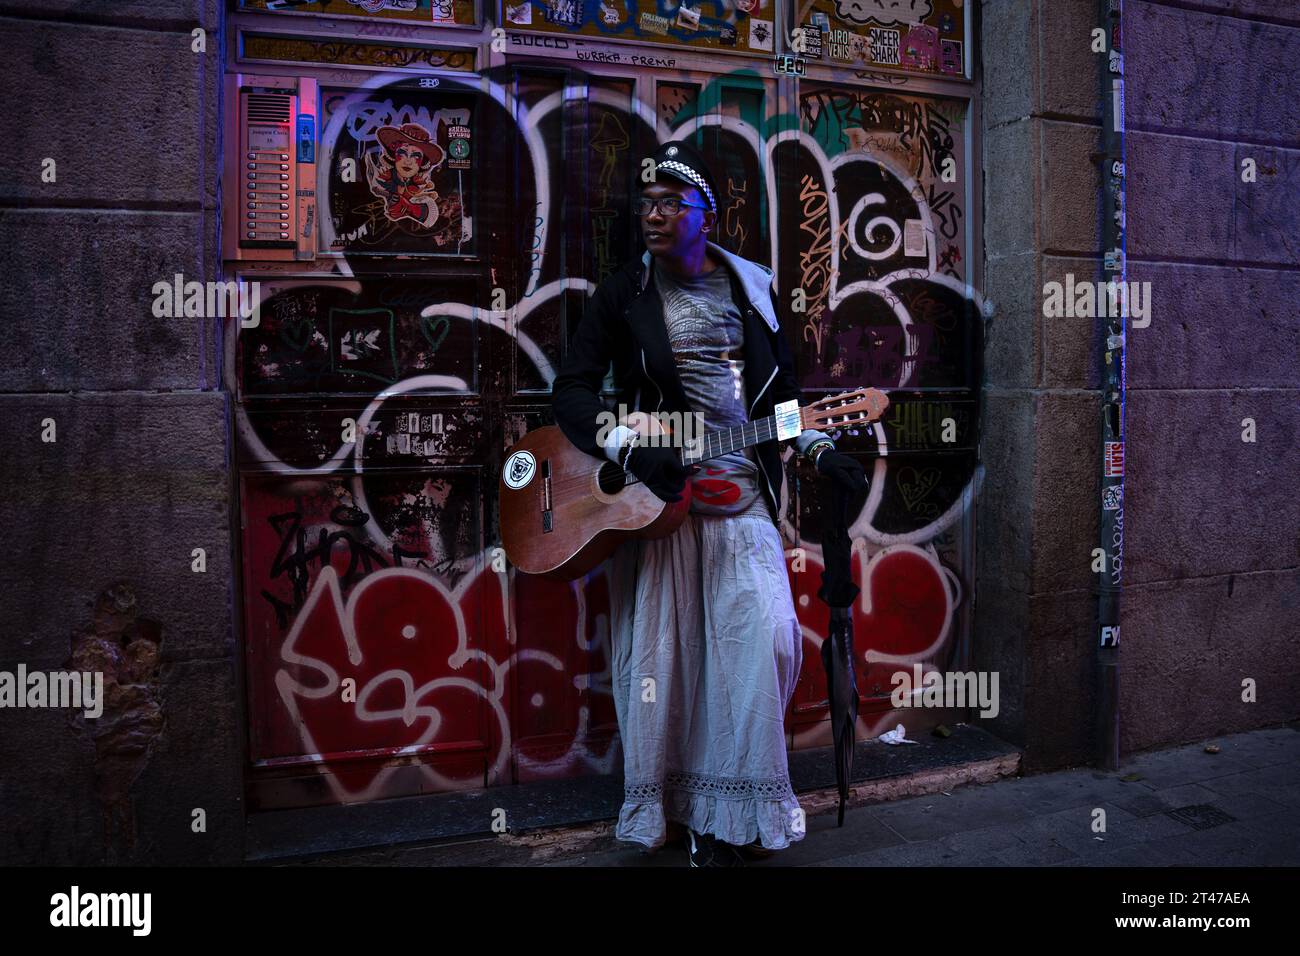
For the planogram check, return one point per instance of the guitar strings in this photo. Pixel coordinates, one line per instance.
(583, 480)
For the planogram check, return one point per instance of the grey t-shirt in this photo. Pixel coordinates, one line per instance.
(707, 336)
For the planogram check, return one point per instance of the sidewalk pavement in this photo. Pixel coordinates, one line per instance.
(1179, 807)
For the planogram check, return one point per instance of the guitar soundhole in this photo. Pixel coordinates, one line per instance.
(611, 478)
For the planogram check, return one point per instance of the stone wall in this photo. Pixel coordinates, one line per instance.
(1210, 553)
(102, 521)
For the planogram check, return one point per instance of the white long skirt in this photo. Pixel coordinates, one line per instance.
(706, 650)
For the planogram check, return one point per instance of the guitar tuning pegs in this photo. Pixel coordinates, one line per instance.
(853, 432)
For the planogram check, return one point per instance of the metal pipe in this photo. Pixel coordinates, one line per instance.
(1114, 269)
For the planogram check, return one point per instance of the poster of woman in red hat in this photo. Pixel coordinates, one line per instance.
(401, 172)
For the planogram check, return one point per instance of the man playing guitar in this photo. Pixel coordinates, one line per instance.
(706, 646)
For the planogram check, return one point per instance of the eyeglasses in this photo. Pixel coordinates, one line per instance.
(668, 205)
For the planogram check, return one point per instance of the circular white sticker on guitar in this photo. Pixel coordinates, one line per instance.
(519, 470)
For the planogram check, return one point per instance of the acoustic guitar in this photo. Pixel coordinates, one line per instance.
(564, 511)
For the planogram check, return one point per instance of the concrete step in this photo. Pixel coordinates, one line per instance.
(564, 820)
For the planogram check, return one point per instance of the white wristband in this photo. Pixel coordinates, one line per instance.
(619, 436)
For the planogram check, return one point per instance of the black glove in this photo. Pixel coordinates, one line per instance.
(847, 471)
(659, 469)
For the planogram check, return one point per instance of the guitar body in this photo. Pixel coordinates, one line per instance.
(563, 511)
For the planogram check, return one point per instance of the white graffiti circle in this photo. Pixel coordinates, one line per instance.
(879, 221)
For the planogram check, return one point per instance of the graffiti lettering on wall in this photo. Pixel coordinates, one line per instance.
(815, 260)
(431, 669)
(331, 339)
(608, 145)
(843, 119)
(734, 215)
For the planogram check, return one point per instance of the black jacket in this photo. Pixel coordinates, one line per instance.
(624, 325)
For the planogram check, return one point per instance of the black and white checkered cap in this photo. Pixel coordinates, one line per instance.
(683, 161)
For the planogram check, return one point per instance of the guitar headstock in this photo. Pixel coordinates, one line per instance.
(845, 410)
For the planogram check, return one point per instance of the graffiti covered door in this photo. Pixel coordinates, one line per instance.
(367, 400)
(388, 648)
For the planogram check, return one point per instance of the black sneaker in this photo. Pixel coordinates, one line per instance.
(755, 851)
(707, 850)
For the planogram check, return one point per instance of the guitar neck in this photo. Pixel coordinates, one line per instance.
(715, 444)
(789, 421)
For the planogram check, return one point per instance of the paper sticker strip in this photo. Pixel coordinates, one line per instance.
(787, 420)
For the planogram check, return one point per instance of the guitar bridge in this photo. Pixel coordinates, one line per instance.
(546, 496)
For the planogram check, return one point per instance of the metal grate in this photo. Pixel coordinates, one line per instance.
(1200, 816)
(269, 107)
